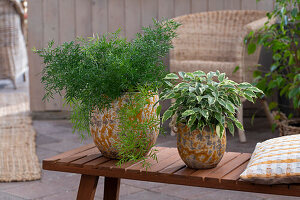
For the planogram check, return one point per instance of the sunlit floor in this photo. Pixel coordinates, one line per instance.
(55, 136)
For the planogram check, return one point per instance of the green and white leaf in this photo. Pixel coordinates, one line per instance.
(230, 127)
(171, 76)
(188, 113)
(167, 115)
(192, 120)
(199, 73)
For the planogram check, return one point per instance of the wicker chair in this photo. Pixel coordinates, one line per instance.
(211, 41)
(13, 54)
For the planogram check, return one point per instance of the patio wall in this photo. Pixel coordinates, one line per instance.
(63, 20)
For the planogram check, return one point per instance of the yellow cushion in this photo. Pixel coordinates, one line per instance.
(275, 161)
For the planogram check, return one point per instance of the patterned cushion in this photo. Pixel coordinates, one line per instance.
(275, 161)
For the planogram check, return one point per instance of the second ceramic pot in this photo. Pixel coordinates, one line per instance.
(200, 149)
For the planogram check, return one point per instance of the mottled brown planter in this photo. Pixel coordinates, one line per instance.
(104, 126)
(200, 149)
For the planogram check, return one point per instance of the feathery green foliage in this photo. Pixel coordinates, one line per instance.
(134, 140)
(205, 100)
(95, 71)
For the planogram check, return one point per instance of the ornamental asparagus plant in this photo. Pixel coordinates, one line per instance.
(94, 72)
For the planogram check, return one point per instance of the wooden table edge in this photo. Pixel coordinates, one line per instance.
(171, 179)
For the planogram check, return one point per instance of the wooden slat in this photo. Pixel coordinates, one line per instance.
(199, 6)
(229, 166)
(51, 32)
(248, 5)
(116, 15)
(173, 168)
(163, 153)
(185, 171)
(149, 11)
(295, 187)
(66, 20)
(69, 153)
(123, 167)
(265, 5)
(235, 174)
(35, 39)
(228, 156)
(127, 165)
(99, 16)
(83, 18)
(215, 5)
(165, 9)
(161, 158)
(182, 7)
(96, 162)
(82, 161)
(67, 160)
(50, 16)
(108, 165)
(133, 18)
(232, 4)
(164, 163)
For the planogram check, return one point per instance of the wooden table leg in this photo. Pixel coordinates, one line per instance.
(111, 188)
(87, 187)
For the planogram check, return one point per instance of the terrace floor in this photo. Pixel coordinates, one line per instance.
(55, 136)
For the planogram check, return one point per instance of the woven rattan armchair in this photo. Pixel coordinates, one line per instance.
(211, 41)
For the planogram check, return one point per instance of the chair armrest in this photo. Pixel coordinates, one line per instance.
(20, 11)
(256, 25)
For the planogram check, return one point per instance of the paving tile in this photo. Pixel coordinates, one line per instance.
(61, 146)
(280, 197)
(48, 186)
(45, 139)
(4, 186)
(66, 195)
(148, 195)
(52, 126)
(227, 195)
(67, 181)
(275, 197)
(142, 184)
(34, 190)
(5, 196)
(43, 153)
(124, 190)
(184, 192)
(52, 175)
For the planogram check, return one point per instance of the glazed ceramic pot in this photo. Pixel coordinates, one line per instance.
(200, 149)
(104, 126)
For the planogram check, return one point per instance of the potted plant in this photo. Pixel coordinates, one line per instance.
(204, 105)
(282, 38)
(111, 85)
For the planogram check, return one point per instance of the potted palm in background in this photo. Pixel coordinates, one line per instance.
(283, 77)
(204, 105)
(111, 85)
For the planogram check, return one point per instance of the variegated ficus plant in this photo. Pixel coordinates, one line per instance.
(206, 100)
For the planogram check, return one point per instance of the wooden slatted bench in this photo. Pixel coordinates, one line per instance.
(87, 160)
